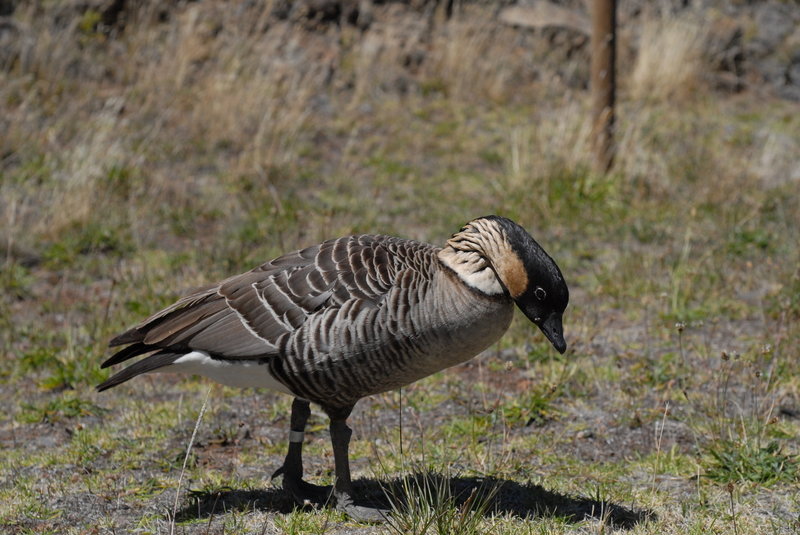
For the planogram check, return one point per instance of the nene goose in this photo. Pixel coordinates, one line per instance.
(351, 317)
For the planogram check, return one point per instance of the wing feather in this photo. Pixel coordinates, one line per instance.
(247, 316)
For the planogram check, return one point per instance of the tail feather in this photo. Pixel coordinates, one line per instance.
(127, 353)
(148, 364)
(128, 337)
(196, 303)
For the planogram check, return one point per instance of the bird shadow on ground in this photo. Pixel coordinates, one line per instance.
(490, 496)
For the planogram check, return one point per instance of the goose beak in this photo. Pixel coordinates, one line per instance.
(554, 331)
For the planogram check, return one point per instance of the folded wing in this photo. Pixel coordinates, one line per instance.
(244, 317)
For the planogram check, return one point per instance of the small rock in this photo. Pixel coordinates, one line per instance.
(7, 7)
(789, 412)
(545, 14)
(774, 21)
(773, 70)
(793, 72)
(724, 45)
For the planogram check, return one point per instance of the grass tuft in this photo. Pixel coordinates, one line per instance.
(425, 504)
(64, 407)
(734, 462)
(669, 63)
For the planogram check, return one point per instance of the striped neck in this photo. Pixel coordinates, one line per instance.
(472, 269)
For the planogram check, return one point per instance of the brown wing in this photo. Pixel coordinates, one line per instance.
(243, 317)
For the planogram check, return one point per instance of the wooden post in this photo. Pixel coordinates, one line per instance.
(603, 84)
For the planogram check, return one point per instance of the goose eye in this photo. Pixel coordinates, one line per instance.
(540, 293)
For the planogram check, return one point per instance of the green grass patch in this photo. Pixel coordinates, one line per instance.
(734, 462)
(64, 407)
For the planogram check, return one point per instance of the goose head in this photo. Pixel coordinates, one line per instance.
(496, 256)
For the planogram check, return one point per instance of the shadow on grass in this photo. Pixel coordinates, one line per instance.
(506, 497)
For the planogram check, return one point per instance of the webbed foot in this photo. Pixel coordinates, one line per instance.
(303, 492)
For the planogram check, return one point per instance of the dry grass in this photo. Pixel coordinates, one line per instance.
(135, 165)
(669, 60)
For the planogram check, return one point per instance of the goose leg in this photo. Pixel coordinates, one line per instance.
(343, 487)
(292, 469)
